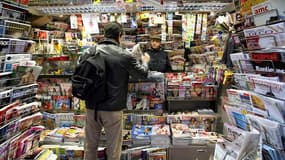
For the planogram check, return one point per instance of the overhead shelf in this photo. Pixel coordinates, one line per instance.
(127, 7)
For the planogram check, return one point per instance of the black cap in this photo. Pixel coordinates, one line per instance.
(113, 30)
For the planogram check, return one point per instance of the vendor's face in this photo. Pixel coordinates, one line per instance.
(155, 44)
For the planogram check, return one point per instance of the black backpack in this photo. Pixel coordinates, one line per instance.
(88, 79)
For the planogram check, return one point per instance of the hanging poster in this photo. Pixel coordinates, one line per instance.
(90, 23)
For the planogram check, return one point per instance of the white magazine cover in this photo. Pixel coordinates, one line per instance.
(271, 131)
(269, 88)
(274, 108)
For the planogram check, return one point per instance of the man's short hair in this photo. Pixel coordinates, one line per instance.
(113, 30)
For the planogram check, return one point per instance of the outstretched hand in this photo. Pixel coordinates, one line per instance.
(145, 57)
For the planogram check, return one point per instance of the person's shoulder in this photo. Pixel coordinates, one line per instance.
(124, 52)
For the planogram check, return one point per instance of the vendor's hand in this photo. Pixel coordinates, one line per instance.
(145, 58)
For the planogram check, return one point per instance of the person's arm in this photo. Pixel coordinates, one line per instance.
(136, 69)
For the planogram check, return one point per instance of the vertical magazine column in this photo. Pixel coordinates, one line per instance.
(58, 47)
(255, 102)
(20, 118)
(146, 134)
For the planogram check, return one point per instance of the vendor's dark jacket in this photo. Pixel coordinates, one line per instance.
(119, 65)
(159, 60)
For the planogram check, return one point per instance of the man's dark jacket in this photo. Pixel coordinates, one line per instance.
(120, 64)
(159, 60)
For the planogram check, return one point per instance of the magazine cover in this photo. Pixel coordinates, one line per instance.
(27, 74)
(28, 121)
(208, 123)
(62, 103)
(25, 145)
(4, 148)
(237, 116)
(240, 97)
(10, 129)
(196, 89)
(46, 103)
(232, 132)
(157, 156)
(209, 91)
(7, 112)
(53, 90)
(24, 93)
(29, 108)
(273, 108)
(65, 89)
(153, 152)
(270, 131)
(141, 131)
(242, 79)
(269, 153)
(173, 118)
(180, 130)
(161, 129)
(5, 97)
(152, 119)
(269, 60)
(14, 146)
(79, 120)
(193, 121)
(269, 88)
(5, 78)
(245, 144)
(241, 62)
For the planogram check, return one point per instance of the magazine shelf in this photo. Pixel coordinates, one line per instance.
(151, 112)
(190, 104)
(55, 76)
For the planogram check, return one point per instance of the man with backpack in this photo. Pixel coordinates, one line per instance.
(119, 65)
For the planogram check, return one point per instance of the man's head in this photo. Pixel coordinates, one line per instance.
(113, 30)
(155, 41)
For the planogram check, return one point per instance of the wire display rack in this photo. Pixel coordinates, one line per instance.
(12, 29)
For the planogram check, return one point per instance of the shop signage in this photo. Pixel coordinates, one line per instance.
(261, 8)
